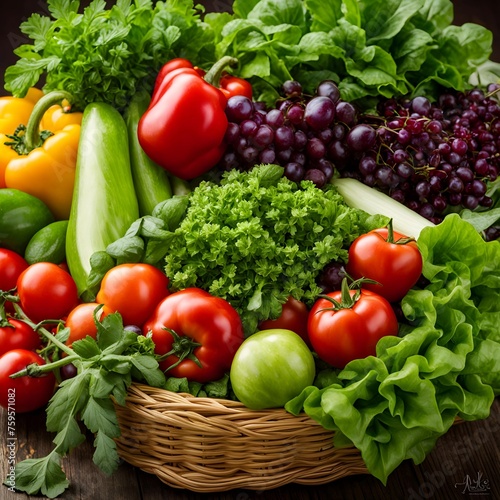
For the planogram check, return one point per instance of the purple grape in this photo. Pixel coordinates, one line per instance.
(239, 108)
(319, 112)
(294, 171)
(421, 105)
(264, 136)
(292, 88)
(345, 112)
(295, 114)
(316, 176)
(275, 118)
(267, 155)
(361, 138)
(315, 148)
(284, 137)
(328, 88)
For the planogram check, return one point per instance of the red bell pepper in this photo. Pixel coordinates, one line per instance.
(196, 333)
(229, 84)
(184, 126)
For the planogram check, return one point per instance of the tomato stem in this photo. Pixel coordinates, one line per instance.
(183, 347)
(39, 328)
(347, 300)
(36, 370)
(390, 236)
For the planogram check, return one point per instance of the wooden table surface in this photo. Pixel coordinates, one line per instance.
(469, 452)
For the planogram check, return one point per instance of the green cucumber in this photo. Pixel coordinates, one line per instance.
(21, 216)
(151, 182)
(104, 202)
(48, 244)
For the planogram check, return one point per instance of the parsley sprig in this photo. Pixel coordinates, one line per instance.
(105, 369)
(107, 53)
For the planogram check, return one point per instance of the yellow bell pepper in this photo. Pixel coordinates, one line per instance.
(6, 154)
(58, 116)
(15, 111)
(46, 170)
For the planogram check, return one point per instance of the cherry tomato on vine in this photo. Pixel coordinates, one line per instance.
(18, 335)
(347, 324)
(11, 266)
(294, 315)
(388, 257)
(46, 292)
(133, 290)
(81, 323)
(25, 393)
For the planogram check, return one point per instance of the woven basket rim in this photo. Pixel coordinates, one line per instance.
(206, 444)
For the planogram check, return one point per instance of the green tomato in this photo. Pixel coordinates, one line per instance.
(270, 368)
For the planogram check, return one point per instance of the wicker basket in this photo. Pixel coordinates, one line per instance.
(210, 445)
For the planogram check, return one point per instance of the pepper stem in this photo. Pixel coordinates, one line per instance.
(32, 135)
(214, 74)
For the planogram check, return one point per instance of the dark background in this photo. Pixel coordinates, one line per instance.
(484, 12)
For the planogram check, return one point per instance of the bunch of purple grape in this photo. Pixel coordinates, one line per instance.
(431, 157)
(302, 133)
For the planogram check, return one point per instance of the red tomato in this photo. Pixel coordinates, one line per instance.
(232, 85)
(133, 290)
(19, 335)
(351, 329)
(80, 321)
(393, 260)
(193, 323)
(46, 292)
(11, 266)
(294, 315)
(26, 393)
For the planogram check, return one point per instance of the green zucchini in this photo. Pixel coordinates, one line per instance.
(104, 202)
(151, 181)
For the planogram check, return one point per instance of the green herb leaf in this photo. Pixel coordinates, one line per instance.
(105, 455)
(86, 348)
(41, 475)
(107, 53)
(148, 369)
(99, 415)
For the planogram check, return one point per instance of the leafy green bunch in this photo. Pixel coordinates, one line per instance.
(105, 369)
(256, 238)
(395, 406)
(371, 48)
(107, 54)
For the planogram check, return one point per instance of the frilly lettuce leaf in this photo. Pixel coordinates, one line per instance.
(395, 406)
